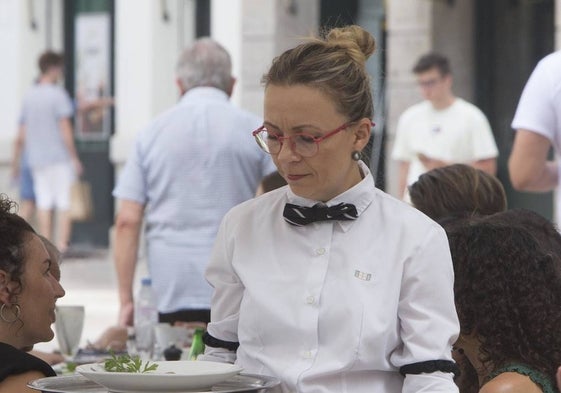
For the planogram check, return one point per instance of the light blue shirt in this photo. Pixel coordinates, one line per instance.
(189, 167)
(44, 106)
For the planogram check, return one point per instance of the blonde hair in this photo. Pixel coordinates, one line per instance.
(333, 63)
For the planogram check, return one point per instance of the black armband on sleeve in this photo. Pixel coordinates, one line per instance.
(430, 366)
(216, 343)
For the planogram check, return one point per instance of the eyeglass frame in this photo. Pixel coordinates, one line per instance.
(317, 139)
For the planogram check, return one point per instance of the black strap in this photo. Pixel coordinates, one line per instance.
(216, 343)
(430, 366)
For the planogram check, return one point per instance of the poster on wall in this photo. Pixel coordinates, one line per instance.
(92, 76)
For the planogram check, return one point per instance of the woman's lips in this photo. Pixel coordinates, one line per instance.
(294, 177)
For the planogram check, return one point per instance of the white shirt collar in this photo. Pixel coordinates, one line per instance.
(204, 92)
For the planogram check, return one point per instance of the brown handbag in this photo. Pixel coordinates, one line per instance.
(81, 204)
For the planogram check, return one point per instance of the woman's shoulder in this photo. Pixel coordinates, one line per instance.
(259, 208)
(398, 210)
(511, 382)
(20, 362)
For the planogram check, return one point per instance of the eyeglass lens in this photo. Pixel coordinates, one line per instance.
(302, 144)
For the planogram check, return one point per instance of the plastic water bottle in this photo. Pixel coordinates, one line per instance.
(145, 319)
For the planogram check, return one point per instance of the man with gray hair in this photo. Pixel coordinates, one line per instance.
(188, 168)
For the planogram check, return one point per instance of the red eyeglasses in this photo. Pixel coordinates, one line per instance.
(303, 144)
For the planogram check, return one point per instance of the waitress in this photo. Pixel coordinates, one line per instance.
(328, 283)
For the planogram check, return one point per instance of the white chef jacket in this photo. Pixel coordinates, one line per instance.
(334, 306)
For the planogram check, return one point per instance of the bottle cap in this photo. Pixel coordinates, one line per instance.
(146, 281)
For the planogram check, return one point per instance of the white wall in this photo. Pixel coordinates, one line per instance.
(452, 32)
(10, 13)
(21, 46)
(557, 24)
(226, 29)
(255, 31)
(146, 51)
(409, 35)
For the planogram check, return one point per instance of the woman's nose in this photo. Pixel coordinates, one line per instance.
(59, 290)
(287, 152)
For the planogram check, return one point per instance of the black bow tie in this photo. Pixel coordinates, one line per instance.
(301, 215)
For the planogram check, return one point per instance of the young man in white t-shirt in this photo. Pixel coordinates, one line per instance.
(441, 130)
(538, 127)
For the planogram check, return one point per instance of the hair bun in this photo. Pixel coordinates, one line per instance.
(359, 43)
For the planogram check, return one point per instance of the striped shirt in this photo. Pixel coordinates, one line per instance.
(189, 167)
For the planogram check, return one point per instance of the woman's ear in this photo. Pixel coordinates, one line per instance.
(6, 288)
(362, 133)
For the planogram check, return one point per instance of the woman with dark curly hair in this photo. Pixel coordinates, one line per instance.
(508, 297)
(28, 293)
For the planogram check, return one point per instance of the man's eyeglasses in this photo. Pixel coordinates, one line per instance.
(302, 144)
(429, 83)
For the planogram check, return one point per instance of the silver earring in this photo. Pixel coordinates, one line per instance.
(15, 313)
(355, 155)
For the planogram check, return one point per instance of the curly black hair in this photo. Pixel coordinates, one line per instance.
(508, 292)
(13, 233)
(544, 231)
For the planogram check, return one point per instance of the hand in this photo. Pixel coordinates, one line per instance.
(113, 338)
(190, 325)
(126, 314)
(430, 163)
(78, 168)
(15, 172)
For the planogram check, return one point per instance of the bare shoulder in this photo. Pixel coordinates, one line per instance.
(510, 382)
(18, 383)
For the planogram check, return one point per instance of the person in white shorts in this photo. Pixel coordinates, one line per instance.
(441, 130)
(46, 132)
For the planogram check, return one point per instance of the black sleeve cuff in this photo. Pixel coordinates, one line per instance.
(216, 343)
(431, 366)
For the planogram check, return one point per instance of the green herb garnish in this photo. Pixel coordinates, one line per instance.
(69, 368)
(128, 364)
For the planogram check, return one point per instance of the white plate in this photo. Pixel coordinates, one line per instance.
(76, 383)
(170, 376)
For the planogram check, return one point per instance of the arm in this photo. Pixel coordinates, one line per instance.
(428, 320)
(18, 383)
(127, 234)
(558, 377)
(226, 298)
(528, 166)
(68, 138)
(488, 165)
(18, 148)
(402, 182)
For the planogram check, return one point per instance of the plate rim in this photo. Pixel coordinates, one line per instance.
(270, 382)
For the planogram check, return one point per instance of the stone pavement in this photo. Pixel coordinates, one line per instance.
(89, 279)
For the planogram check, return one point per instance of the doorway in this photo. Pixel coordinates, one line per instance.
(91, 64)
(511, 36)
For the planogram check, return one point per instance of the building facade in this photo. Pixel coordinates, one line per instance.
(492, 46)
